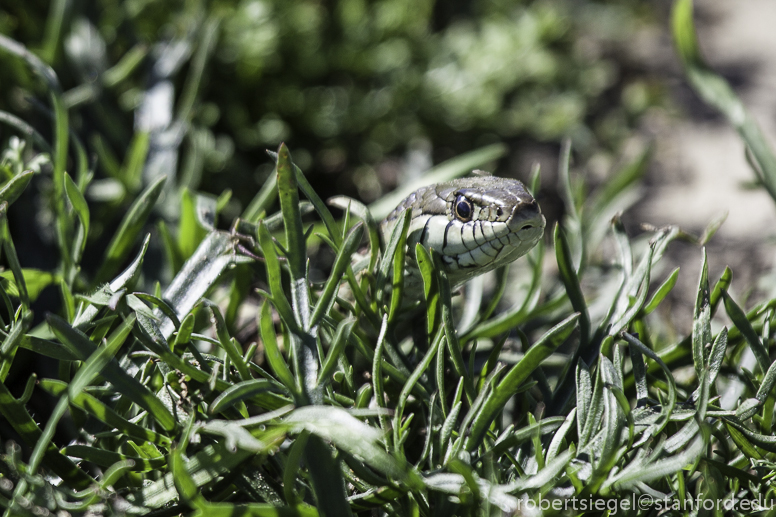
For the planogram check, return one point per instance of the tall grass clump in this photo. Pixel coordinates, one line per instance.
(243, 385)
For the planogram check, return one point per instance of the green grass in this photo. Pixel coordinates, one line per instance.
(336, 404)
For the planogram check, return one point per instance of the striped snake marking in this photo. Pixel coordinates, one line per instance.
(476, 225)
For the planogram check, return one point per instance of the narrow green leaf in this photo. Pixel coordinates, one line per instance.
(568, 274)
(742, 442)
(637, 287)
(612, 397)
(126, 279)
(392, 247)
(420, 369)
(44, 441)
(701, 327)
(274, 357)
(377, 370)
(595, 411)
(82, 210)
(351, 435)
(185, 330)
(659, 469)
(13, 261)
(191, 231)
(662, 292)
(328, 485)
(430, 288)
(716, 91)
(320, 206)
(451, 333)
(100, 358)
(560, 435)
(14, 187)
(337, 346)
(106, 458)
(745, 327)
(21, 421)
(205, 466)
(639, 374)
(564, 170)
(517, 375)
(114, 473)
(161, 305)
(398, 257)
(289, 205)
(103, 413)
(239, 392)
(130, 228)
(766, 387)
(262, 200)
(341, 262)
(226, 341)
(272, 264)
(711, 229)
(667, 408)
(447, 430)
(216, 253)
(722, 285)
(35, 280)
(83, 348)
(767, 442)
(132, 170)
(8, 348)
(363, 212)
(584, 397)
(129, 62)
(717, 355)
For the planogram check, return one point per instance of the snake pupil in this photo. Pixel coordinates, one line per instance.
(463, 208)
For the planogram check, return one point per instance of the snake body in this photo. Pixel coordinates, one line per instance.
(476, 224)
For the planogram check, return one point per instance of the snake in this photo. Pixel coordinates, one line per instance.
(476, 224)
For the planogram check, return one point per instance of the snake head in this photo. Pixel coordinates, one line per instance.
(475, 224)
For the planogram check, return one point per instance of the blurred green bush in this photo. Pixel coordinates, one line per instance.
(348, 84)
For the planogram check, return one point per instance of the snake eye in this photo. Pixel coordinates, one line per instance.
(463, 209)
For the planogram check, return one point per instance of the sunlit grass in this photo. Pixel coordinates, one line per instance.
(336, 403)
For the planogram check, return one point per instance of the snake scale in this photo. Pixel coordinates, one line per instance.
(476, 224)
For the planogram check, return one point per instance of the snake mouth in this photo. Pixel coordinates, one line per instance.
(527, 222)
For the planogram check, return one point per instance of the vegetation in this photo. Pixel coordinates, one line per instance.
(307, 397)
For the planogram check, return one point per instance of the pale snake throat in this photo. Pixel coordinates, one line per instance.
(476, 225)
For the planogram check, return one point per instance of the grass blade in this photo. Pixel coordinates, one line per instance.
(701, 327)
(516, 376)
(271, 349)
(341, 262)
(129, 229)
(715, 91)
(83, 348)
(745, 327)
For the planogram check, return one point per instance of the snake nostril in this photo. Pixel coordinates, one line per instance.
(526, 227)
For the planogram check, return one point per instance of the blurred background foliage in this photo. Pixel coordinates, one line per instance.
(366, 93)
